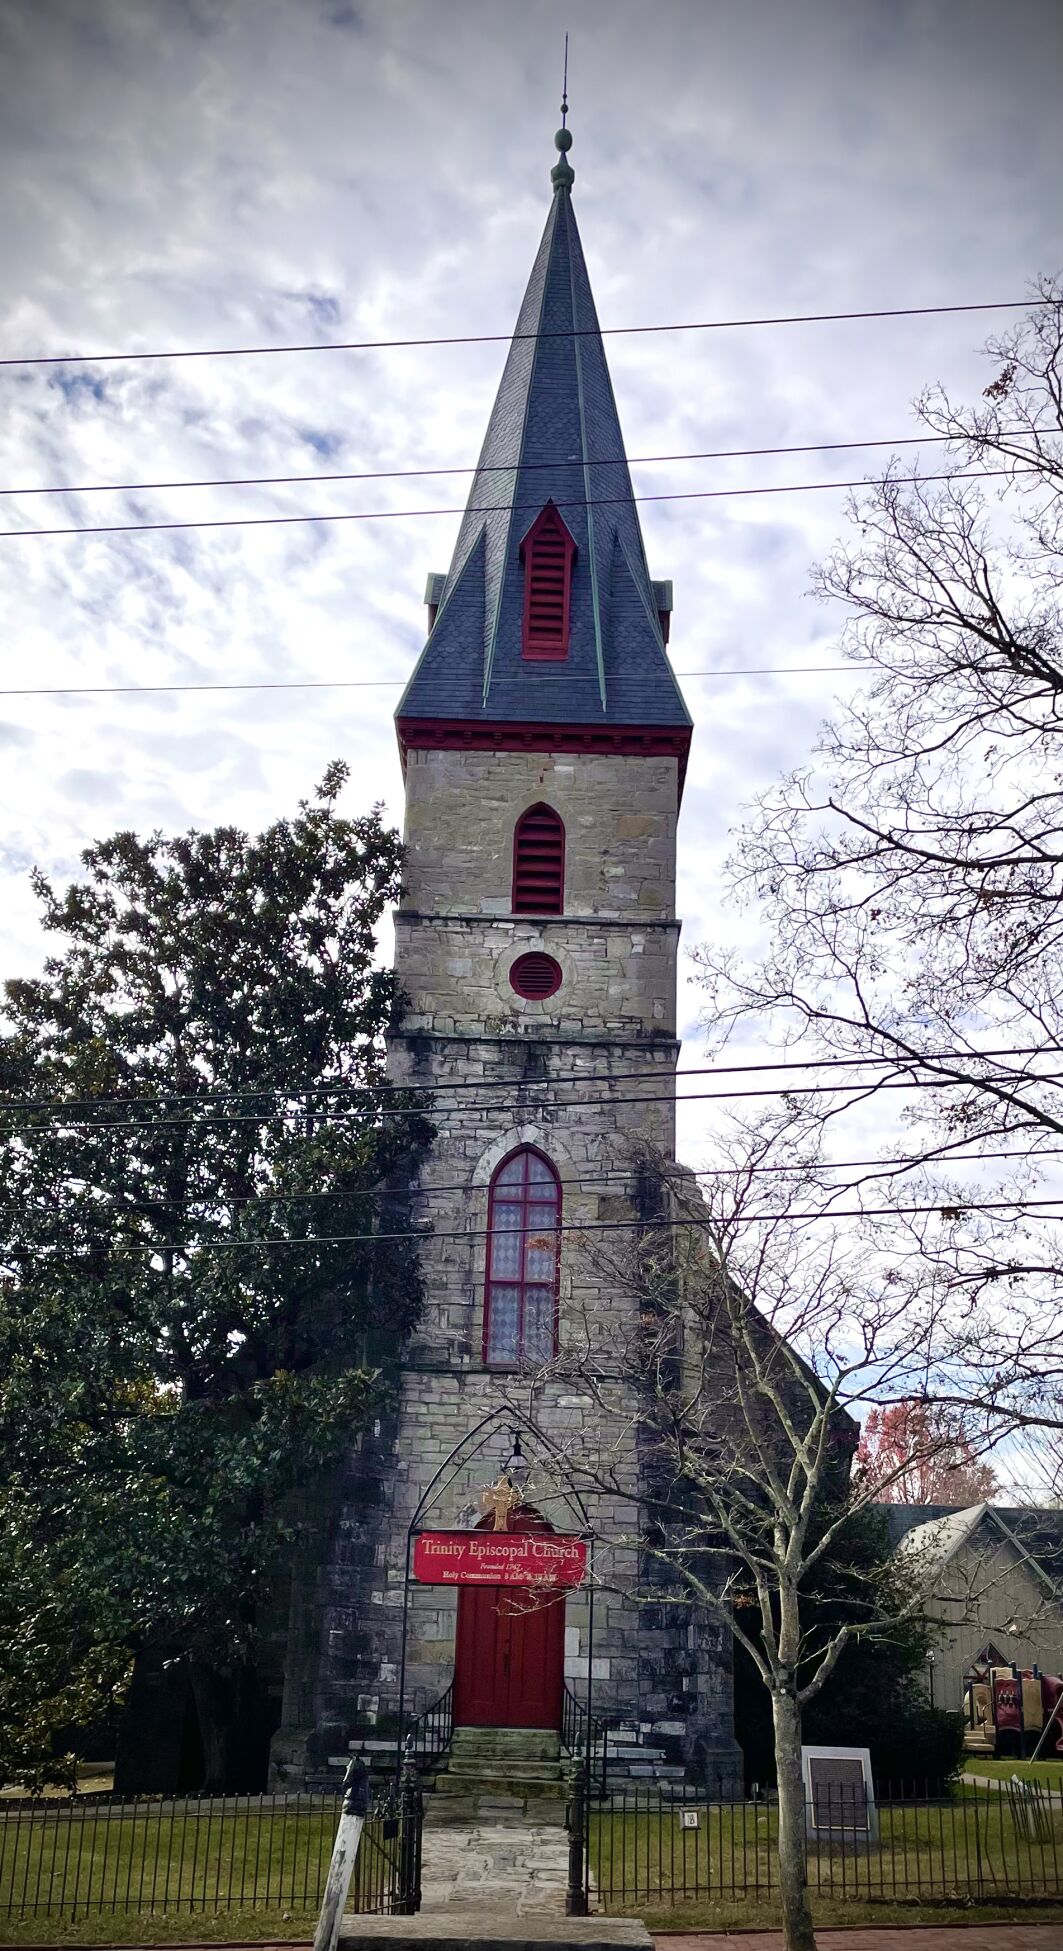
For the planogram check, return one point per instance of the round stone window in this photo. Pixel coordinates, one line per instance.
(535, 976)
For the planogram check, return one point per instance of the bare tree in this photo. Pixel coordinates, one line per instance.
(911, 878)
(726, 1417)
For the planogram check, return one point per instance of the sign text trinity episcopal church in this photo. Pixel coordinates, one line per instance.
(544, 740)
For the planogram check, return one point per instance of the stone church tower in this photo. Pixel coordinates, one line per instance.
(543, 740)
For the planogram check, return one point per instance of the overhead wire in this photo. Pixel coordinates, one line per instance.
(613, 1177)
(482, 467)
(371, 683)
(944, 1208)
(511, 338)
(390, 1085)
(486, 508)
(323, 1119)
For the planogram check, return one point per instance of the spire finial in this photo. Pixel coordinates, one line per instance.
(564, 88)
(562, 176)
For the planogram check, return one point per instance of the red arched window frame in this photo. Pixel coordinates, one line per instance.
(547, 553)
(523, 1261)
(539, 862)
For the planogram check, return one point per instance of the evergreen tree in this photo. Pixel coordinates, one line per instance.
(192, 1322)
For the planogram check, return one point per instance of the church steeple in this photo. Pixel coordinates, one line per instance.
(553, 438)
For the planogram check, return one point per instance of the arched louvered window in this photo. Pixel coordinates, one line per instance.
(523, 1261)
(547, 552)
(539, 863)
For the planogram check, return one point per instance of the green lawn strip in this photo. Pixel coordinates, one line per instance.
(956, 1851)
(182, 1856)
(1048, 1772)
(766, 1917)
(164, 1927)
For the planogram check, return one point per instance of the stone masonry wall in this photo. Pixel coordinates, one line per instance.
(557, 1075)
(620, 821)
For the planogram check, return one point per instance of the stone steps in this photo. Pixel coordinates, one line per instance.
(499, 1775)
(477, 1768)
(469, 1811)
(522, 1743)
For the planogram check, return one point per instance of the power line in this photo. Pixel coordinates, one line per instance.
(370, 683)
(511, 338)
(486, 467)
(613, 1177)
(487, 508)
(945, 1208)
(322, 1119)
(388, 1085)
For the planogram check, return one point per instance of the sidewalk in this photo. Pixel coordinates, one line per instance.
(882, 1937)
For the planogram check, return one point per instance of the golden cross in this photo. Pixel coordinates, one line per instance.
(501, 1498)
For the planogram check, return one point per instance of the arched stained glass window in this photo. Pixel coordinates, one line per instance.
(520, 1305)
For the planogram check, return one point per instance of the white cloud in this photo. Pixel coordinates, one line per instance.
(207, 173)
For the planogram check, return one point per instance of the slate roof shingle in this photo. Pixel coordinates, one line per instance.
(553, 433)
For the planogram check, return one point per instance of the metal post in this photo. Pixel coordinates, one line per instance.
(590, 1736)
(401, 1712)
(353, 1811)
(576, 1894)
(411, 1808)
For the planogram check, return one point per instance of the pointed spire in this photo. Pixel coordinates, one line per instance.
(553, 435)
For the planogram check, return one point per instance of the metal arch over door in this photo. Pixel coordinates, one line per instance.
(510, 1652)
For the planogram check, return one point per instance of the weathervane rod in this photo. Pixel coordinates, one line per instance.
(564, 89)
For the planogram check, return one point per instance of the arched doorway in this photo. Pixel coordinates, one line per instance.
(509, 1659)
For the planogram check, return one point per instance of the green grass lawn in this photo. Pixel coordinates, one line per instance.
(972, 1849)
(158, 1873)
(768, 1917)
(83, 1874)
(164, 1927)
(1048, 1772)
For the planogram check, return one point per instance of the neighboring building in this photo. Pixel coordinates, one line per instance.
(994, 1586)
(544, 741)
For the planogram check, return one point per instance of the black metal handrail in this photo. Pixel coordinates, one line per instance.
(428, 1737)
(580, 1732)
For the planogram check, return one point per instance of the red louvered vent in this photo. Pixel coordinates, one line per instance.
(539, 863)
(535, 976)
(547, 553)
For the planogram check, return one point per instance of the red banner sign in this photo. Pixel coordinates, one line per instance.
(498, 1558)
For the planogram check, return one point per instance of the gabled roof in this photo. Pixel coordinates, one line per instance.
(929, 1547)
(553, 434)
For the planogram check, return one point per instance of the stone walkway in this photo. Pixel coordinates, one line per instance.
(504, 1865)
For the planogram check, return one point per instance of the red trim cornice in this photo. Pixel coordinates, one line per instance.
(479, 735)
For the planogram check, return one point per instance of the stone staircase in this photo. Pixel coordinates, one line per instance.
(632, 1759)
(499, 1775)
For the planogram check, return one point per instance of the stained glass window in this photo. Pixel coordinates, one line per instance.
(523, 1215)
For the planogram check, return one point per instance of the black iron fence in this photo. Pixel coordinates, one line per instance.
(209, 1853)
(655, 1847)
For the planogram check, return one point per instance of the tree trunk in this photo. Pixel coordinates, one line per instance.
(212, 1693)
(798, 1933)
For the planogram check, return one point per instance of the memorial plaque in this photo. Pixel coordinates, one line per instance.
(839, 1794)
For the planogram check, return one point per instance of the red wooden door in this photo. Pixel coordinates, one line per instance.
(509, 1663)
(509, 1659)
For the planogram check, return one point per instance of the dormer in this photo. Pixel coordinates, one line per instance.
(547, 554)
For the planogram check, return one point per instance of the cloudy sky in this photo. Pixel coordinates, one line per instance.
(211, 173)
